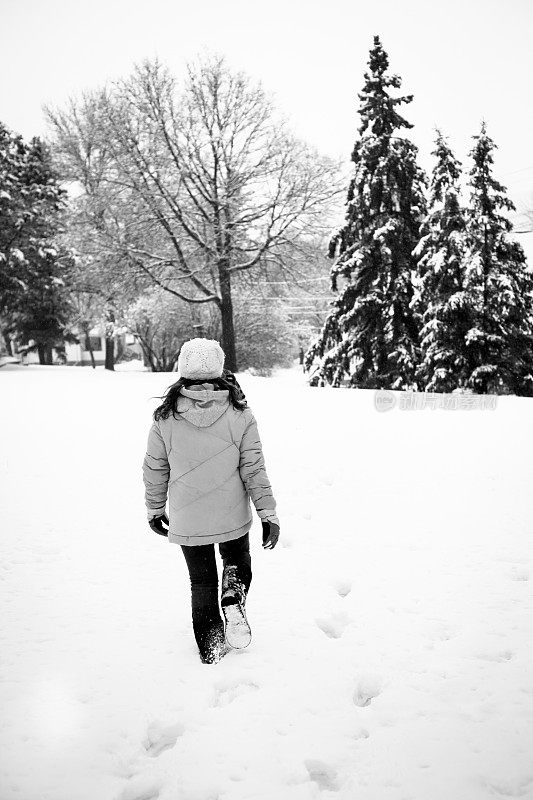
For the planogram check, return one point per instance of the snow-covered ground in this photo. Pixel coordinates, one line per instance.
(393, 624)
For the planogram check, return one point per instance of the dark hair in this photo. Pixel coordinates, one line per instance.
(226, 381)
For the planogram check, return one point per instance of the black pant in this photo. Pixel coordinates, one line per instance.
(206, 620)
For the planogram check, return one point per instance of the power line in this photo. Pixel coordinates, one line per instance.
(304, 280)
(516, 171)
(256, 304)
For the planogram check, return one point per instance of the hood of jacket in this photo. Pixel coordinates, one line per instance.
(202, 404)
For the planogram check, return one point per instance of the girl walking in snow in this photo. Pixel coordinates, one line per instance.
(205, 453)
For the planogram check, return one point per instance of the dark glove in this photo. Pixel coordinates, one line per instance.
(156, 524)
(270, 534)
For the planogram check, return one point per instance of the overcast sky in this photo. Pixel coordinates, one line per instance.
(463, 60)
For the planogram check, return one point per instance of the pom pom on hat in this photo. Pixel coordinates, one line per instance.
(201, 358)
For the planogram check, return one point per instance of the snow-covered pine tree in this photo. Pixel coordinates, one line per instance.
(370, 335)
(500, 283)
(12, 213)
(440, 299)
(33, 272)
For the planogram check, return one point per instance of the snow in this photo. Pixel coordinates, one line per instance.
(392, 649)
(18, 254)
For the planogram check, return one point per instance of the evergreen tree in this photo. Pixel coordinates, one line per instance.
(440, 298)
(33, 271)
(12, 215)
(500, 284)
(370, 335)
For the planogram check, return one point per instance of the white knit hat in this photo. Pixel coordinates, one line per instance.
(201, 358)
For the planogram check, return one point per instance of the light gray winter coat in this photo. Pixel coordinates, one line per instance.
(209, 460)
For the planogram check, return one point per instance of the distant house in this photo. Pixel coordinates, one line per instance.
(80, 354)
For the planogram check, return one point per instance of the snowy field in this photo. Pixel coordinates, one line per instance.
(393, 623)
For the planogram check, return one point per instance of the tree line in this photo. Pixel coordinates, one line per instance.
(33, 267)
(163, 210)
(435, 295)
(186, 208)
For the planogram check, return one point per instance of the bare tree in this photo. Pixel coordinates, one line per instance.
(160, 324)
(99, 290)
(190, 189)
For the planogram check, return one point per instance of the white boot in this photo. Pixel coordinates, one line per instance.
(233, 600)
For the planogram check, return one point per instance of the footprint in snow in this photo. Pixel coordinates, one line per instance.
(441, 631)
(226, 691)
(366, 689)
(500, 655)
(509, 788)
(322, 774)
(333, 625)
(286, 540)
(520, 573)
(159, 738)
(342, 586)
(141, 788)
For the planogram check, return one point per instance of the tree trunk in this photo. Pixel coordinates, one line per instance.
(120, 349)
(88, 344)
(226, 311)
(48, 355)
(146, 358)
(110, 353)
(110, 342)
(41, 353)
(91, 353)
(148, 354)
(9, 344)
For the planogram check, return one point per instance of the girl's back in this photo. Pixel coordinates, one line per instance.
(207, 455)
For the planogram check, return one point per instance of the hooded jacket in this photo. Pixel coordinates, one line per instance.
(208, 460)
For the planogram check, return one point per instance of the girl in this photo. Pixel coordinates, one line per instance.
(204, 450)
